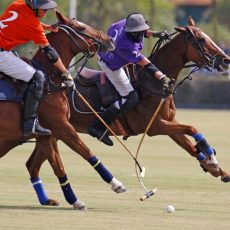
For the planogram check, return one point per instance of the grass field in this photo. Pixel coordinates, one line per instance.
(201, 201)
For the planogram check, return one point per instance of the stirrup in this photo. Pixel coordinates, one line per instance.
(100, 135)
(105, 139)
(32, 127)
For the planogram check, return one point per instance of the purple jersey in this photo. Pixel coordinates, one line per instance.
(126, 50)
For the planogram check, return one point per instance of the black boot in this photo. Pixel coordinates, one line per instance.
(98, 130)
(31, 125)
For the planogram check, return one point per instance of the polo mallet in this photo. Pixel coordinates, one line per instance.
(142, 169)
(148, 193)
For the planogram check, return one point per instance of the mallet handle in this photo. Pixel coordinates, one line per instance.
(148, 194)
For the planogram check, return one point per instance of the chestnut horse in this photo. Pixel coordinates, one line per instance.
(72, 38)
(190, 44)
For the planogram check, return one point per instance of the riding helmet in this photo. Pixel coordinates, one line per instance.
(135, 23)
(41, 4)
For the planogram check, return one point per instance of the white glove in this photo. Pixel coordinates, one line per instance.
(68, 80)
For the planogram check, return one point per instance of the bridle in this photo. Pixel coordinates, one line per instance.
(93, 44)
(87, 39)
(209, 60)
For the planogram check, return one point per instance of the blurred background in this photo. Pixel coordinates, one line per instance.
(212, 16)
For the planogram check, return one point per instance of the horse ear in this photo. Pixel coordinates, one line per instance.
(61, 18)
(191, 22)
(180, 29)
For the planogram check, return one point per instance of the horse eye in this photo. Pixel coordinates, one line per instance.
(201, 41)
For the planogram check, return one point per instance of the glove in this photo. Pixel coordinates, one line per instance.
(167, 84)
(162, 34)
(68, 80)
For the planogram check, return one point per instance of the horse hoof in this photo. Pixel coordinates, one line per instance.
(119, 189)
(213, 169)
(117, 186)
(78, 205)
(225, 177)
(52, 202)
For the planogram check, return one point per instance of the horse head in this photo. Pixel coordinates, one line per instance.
(73, 37)
(91, 38)
(190, 44)
(201, 49)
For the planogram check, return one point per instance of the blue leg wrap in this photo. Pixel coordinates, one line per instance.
(67, 190)
(202, 144)
(201, 157)
(198, 137)
(100, 168)
(209, 150)
(40, 190)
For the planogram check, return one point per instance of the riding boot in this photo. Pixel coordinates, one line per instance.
(31, 125)
(98, 130)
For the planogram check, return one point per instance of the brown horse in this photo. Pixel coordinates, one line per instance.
(190, 44)
(72, 38)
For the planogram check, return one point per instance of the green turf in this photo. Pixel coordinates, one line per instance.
(201, 201)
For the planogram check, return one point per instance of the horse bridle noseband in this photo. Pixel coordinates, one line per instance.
(209, 60)
(96, 41)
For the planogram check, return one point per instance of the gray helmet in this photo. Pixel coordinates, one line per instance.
(136, 23)
(41, 4)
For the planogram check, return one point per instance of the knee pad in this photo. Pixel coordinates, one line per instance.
(36, 85)
(38, 81)
(131, 100)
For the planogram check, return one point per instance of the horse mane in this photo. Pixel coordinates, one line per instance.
(75, 24)
(169, 58)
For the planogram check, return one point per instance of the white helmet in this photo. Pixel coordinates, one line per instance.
(41, 4)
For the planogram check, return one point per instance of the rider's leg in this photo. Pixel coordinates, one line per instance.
(123, 86)
(16, 68)
(97, 129)
(33, 95)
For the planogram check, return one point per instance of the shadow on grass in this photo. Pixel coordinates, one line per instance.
(47, 208)
(34, 208)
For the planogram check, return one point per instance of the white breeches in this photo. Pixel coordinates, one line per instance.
(15, 67)
(118, 78)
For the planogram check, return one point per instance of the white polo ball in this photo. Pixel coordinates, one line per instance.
(170, 209)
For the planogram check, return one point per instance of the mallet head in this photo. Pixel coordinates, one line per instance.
(148, 194)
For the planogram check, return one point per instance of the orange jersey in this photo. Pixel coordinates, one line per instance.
(19, 25)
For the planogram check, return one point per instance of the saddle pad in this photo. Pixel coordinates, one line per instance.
(8, 92)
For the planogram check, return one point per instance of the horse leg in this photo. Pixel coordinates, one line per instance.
(33, 166)
(69, 136)
(51, 115)
(202, 150)
(58, 168)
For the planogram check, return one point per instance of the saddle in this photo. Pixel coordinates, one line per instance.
(11, 89)
(96, 89)
(14, 90)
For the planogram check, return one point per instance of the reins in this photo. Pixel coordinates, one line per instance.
(81, 35)
(209, 62)
(86, 54)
